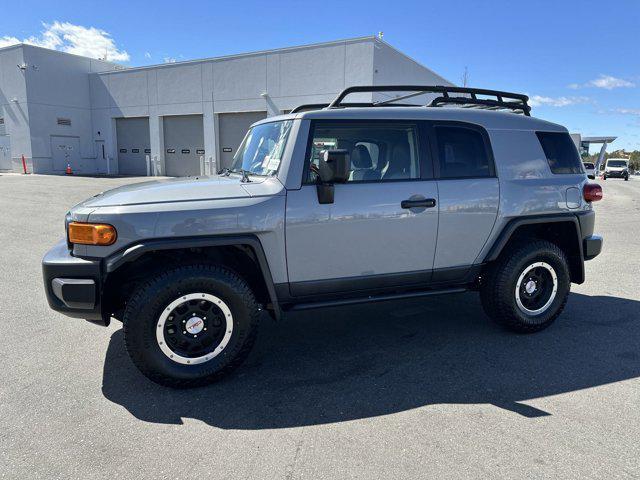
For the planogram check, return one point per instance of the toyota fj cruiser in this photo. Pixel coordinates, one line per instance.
(334, 205)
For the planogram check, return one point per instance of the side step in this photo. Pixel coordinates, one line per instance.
(373, 298)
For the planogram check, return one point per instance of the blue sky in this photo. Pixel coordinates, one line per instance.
(579, 60)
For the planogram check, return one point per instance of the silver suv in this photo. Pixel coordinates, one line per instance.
(333, 205)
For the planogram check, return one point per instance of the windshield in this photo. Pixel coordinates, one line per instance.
(262, 148)
(616, 163)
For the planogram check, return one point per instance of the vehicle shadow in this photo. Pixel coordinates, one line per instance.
(336, 365)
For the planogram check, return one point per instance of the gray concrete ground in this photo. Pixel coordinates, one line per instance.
(420, 389)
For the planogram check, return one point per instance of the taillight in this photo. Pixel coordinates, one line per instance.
(592, 192)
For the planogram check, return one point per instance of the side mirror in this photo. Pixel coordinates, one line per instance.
(334, 167)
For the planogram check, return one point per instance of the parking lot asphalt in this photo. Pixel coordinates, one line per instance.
(416, 389)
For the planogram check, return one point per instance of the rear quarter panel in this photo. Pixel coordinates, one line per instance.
(527, 185)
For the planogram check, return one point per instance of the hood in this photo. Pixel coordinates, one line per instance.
(183, 190)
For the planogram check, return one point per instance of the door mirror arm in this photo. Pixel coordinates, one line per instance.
(334, 167)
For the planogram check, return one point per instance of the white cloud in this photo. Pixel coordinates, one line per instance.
(538, 100)
(8, 41)
(604, 81)
(169, 60)
(627, 111)
(67, 37)
(147, 55)
(608, 82)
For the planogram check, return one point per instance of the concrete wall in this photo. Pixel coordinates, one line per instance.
(92, 94)
(58, 87)
(13, 104)
(289, 77)
(392, 67)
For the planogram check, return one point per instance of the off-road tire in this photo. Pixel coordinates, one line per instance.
(150, 299)
(498, 286)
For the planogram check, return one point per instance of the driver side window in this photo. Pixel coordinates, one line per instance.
(378, 151)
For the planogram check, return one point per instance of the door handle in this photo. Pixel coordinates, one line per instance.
(422, 203)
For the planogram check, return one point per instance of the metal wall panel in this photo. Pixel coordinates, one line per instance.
(232, 127)
(133, 144)
(183, 145)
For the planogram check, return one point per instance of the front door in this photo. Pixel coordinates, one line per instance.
(381, 229)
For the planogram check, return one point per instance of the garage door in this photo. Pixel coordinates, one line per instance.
(183, 145)
(231, 130)
(5, 154)
(65, 151)
(133, 145)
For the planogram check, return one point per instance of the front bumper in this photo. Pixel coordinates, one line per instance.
(616, 174)
(72, 284)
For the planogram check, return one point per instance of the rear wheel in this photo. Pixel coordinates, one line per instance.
(190, 325)
(527, 288)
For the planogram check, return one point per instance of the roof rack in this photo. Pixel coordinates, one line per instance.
(463, 96)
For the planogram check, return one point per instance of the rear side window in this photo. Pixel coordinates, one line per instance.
(560, 151)
(462, 153)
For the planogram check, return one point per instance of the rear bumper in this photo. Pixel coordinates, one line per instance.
(72, 284)
(591, 246)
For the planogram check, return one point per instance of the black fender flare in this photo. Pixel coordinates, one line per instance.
(509, 229)
(137, 249)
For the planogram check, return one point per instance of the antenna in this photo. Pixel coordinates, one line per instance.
(465, 77)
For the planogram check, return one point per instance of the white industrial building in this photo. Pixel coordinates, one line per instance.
(177, 119)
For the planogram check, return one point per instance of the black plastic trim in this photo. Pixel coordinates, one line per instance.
(135, 251)
(375, 285)
(374, 298)
(592, 246)
(511, 227)
(59, 263)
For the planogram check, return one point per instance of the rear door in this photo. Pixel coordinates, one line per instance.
(372, 236)
(469, 196)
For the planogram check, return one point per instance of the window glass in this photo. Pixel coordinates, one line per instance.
(262, 148)
(561, 152)
(377, 151)
(616, 163)
(461, 153)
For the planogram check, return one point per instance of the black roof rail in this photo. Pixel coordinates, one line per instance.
(320, 106)
(466, 97)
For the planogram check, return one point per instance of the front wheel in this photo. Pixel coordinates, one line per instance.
(527, 288)
(189, 326)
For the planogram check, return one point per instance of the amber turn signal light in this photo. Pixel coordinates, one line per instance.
(91, 233)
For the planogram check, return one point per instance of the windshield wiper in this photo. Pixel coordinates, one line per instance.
(245, 176)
